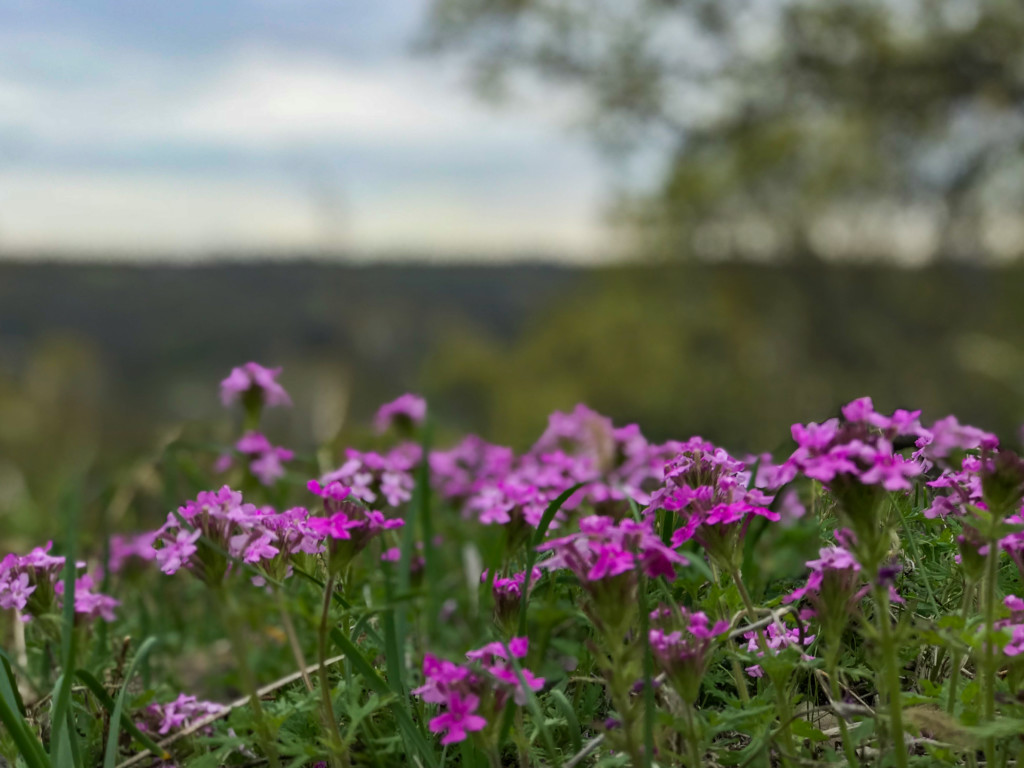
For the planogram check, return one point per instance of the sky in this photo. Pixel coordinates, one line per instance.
(195, 129)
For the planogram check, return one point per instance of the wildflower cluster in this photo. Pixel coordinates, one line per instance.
(31, 585)
(471, 695)
(669, 604)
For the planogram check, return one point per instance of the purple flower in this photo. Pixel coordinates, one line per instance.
(337, 526)
(458, 688)
(15, 591)
(860, 448)
(777, 637)
(605, 549)
(176, 714)
(176, 552)
(369, 476)
(948, 435)
(268, 467)
(334, 490)
(459, 718)
(681, 643)
(408, 410)
(266, 464)
(254, 377)
(252, 442)
(124, 548)
(441, 676)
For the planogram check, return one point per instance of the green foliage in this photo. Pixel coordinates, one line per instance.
(791, 130)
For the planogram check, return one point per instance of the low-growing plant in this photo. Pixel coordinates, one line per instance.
(598, 600)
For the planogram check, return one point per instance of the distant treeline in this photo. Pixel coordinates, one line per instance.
(732, 351)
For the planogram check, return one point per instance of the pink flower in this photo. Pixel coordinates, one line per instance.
(253, 376)
(333, 490)
(409, 409)
(777, 638)
(337, 526)
(948, 435)
(460, 718)
(267, 467)
(15, 592)
(174, 554)
(252, 442)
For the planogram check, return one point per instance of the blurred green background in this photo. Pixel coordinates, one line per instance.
(805, 202)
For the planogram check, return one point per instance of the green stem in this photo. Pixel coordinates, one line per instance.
(835, 693)
(293, 638)
(956, 657)
(238, 646)
(737, 671)
(785, 715)
(620, 685)
(335, 743)
(991, 577)
(892, 676)
(691, 735)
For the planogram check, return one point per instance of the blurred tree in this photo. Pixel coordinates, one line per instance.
(793, 129)
(739, 352)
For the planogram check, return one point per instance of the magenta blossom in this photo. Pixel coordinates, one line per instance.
(459, 718)
(177, 714)
(681, 643)
(253, 377)
(408, 410)
(777, 637)
(485, 682)
(605, 549)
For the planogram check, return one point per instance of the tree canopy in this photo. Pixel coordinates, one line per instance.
(792, 129)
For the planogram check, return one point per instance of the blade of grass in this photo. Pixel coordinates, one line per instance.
(61, 752)
(571, 721)
(534, 542)
(421, 505)
(9, 687)
(378, 685)
(104, 698)
(534, 706)
(29, 746)
(648, 671)
(110, 756)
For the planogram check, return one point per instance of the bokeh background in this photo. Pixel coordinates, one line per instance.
(705, 216)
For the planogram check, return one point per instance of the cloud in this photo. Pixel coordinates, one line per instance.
(257, 97)
(133, 215)
(286, 151)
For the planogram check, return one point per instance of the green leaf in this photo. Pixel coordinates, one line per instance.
(571, 721)
(378, 685)
(1000, 728)
(97, 690)
(29, 746)
(8, 686)
(110, 756)
(534, 707)
(535, 541)
(805, 730)
(62, 750)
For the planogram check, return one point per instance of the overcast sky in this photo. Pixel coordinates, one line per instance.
(183, 127)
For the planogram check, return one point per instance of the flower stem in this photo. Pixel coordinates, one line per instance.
(892, 676)
(335, 743)
(989, 658)
(293, 638)
(237, 640)
(691, 735)
(956, 659)
(835, 693)
(737, 670)
(785, 715)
